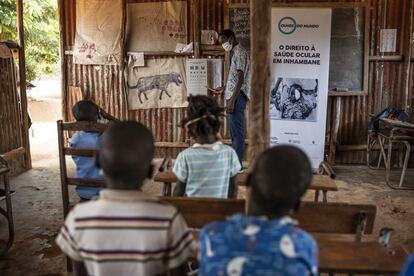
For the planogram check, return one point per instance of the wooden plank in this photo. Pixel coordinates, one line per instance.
(15, 153)
(80, 152)
(319, 182)
(84, 126)
(359, 257)
(207, 209)
(338, 218)
(85, 182)
(408, 40)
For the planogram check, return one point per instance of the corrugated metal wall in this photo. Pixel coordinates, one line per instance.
(386, 81)
(10, 118)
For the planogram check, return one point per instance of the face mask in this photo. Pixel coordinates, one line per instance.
(227, 46)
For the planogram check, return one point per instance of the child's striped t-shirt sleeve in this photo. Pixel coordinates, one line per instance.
(235, 165)
(180, 168)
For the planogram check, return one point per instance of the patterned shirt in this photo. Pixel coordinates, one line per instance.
(85, 166)
(246, 245)
(207, 169)
(240, 61)
(126, 233)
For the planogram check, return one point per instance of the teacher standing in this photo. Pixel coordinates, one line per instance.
(237, 89)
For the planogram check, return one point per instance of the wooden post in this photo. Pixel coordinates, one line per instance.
(408, 43)
(22, 74)
(259, 125)
(196, 30)
(63, 59)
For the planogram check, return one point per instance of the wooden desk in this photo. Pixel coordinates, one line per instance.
(347, 256)
(391, 132)
(319, 183)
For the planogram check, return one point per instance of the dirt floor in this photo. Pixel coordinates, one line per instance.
(38, 210)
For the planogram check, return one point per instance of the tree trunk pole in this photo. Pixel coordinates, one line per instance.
(22, 75)
(259, 125)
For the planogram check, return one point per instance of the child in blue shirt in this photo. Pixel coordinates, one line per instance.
(208, 168)
(266, 241)
(85, 166)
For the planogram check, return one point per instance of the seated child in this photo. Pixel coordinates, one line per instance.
(125, 231)
(266, 241)
(85, 166)
(208, 168)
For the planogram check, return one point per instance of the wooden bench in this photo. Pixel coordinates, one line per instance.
(338, 218)
(319, 183)
(199, 212)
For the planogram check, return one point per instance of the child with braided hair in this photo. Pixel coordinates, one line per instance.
(208, 168)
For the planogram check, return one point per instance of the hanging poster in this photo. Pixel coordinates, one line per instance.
(197, 76)
(98, 32)
(156, 26)
(300, 71)
(161, 83)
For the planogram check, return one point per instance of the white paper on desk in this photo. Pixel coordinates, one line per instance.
(183, 48)
(388, 38)
(136, 59)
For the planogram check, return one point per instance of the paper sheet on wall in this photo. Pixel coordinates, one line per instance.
(388, 38)
(197, 76)
(98, 32)
(161, 83)
(215, 73)
(156, 26)
(136, 59)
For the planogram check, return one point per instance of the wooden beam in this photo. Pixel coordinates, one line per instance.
(63, 59)
(22, 74)
(408, 41)
(259, 125)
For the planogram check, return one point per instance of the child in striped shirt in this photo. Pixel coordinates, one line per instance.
(208, 168)
(125, 231)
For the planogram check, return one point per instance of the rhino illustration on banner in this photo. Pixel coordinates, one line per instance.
(159, 83)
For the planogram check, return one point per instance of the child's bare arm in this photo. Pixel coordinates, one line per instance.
(181, 270)
(232, 188)
(179, 189)
(79, 268)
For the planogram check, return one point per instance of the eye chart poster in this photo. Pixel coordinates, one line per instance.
(300, 71)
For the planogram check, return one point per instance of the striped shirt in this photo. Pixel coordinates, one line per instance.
(126, 233)
(207, 169)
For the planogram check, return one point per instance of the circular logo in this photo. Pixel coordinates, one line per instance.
(287, 25)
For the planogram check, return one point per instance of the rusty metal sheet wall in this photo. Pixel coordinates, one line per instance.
(386, 78)
(10, 115)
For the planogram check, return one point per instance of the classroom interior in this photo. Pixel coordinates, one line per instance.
(371, 45)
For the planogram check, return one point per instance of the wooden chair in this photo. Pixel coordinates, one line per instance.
(64, 151)
(7, 213)
(199, 212)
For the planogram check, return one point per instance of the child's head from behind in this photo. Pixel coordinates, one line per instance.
(126, 155)
(203, 117)
(280, 178)
(85, 111)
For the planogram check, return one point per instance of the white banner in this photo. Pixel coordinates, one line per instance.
(300, 70)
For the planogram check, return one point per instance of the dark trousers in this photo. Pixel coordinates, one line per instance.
(236, 122)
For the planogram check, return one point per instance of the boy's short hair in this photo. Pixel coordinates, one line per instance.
(227, 33)
(85, 111)
(280, 178)
(126, 152)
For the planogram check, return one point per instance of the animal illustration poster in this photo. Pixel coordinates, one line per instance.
(161, 83)
(156, 26)
(300, 72)
(98, 32)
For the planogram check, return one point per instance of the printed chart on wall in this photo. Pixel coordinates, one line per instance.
(300, 72)
(161, 83)
(156, 26)
(98, 32)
